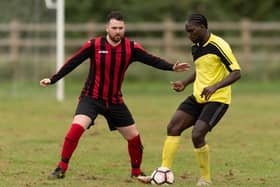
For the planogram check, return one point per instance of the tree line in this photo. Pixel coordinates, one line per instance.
(146, 10)
(178, 10)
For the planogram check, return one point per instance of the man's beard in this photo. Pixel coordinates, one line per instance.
(116, 38)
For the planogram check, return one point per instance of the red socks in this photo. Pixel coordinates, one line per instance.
(70, 143)
(135, 150)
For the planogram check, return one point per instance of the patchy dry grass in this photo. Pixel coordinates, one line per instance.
(244, 146)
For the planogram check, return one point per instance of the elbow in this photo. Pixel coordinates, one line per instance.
(237, 75)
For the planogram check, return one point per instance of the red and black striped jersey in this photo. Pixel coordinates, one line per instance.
(108, 65)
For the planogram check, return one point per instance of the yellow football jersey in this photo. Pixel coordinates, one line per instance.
(213, 62)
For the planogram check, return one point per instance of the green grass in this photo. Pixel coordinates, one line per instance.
(244, 146)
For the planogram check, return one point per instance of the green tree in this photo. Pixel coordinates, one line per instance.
(158, 10)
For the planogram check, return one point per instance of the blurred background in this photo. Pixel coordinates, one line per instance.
(33, 122)
(28, 36)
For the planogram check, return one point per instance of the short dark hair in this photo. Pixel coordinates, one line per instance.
(115, 15)
(199, 19)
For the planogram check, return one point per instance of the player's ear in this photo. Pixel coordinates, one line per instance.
(203, 26)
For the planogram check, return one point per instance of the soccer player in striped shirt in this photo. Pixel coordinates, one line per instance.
(216, 68)
(110, 57)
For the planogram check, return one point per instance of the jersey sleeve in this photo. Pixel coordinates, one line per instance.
(141, 55)
(227, 56)
(71, 63)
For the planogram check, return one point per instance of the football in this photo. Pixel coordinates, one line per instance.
(162, 176)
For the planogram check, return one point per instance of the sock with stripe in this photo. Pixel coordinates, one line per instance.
(135, 150)
(70, 143)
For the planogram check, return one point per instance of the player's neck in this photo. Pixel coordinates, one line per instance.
(112, 42)
(205, 38)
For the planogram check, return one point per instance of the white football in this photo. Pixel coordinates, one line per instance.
(162, 176)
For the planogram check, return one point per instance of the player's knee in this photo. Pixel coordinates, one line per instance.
(197, 138)
(173, 129)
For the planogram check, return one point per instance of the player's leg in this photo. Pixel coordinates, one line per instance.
(209, 117)
(135, 148)
(179, 122)
(85, 114)
(183, 118)
(120, 118)
(79, 124)
(201, 151)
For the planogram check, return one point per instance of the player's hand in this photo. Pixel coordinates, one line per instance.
(207, 92)
(178, 86)
(179, 67)
(45, 82)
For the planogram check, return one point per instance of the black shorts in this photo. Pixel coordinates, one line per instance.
(210, 112)
(117, 115)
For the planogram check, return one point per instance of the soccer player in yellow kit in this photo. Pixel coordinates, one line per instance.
(216, 68)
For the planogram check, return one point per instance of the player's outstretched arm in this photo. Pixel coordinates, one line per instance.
(45, 82)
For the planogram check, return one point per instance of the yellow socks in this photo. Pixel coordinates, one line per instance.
(202, 156)
(170, 148)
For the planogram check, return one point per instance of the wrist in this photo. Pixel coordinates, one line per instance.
(50, 81)
(184, 82)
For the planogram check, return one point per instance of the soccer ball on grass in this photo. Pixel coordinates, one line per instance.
(162, 176)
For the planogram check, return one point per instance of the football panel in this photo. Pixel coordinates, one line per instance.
(158, 177)
(170, 177)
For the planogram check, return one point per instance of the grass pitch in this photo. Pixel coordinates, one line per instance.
(244, 146)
